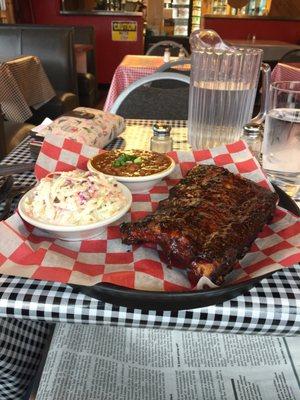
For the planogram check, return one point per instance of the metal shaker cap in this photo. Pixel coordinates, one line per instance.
(252, 129)
(161, 130)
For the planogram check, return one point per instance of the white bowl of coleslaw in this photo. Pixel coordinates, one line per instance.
(75, 205)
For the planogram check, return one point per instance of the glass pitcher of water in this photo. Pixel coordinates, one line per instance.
(222, 90)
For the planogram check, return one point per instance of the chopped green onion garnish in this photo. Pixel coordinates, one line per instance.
(126, 158)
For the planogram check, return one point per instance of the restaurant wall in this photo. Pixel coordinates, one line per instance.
(108, 53)
(262, 28)
(23, 12)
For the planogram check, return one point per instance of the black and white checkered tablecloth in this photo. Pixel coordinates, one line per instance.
(271, 307)
(21, 345)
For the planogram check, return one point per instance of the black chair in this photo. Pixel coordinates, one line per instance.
(172, 67)
(141, 100)
(88, 82)
(291, 56)
(55, 48)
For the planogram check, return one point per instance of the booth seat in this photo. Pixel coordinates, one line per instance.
(55, 48)
(11, 134)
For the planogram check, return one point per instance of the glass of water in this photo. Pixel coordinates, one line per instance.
(281, 143)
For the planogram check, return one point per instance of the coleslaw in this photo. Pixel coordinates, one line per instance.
(75, 198)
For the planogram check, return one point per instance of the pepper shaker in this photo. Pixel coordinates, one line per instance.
(161, 141)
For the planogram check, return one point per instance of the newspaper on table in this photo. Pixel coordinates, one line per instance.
(105, 362)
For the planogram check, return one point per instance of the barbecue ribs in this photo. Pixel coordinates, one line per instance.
(208, 222)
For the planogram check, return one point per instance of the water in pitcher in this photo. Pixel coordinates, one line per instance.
(218, 111)
(281, 149)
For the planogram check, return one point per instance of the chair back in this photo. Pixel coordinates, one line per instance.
(141, 100)
(291, 56)
(158, 48)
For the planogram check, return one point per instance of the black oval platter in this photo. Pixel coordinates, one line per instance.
(163, 301)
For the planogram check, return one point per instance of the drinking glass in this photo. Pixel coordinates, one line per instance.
(281, 142)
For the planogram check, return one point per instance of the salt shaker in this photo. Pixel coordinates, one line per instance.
(167, 55)
(181, 53)
(161, 141)
(252, 135)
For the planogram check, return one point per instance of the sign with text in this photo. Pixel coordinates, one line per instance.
(124, 31)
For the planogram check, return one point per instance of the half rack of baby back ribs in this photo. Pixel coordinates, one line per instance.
(208, 222)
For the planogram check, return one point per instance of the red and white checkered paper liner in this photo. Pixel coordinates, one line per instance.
(26, 251)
